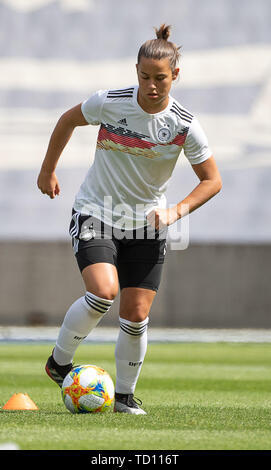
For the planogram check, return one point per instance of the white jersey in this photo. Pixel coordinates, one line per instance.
(135, 156)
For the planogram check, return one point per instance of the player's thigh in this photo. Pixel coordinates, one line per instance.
(96, 255)
(97, 263)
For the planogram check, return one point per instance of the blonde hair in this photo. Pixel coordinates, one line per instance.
(160, 47)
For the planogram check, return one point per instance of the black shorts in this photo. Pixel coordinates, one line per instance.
(137, 254)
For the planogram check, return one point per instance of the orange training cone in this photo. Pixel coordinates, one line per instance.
(20, 401)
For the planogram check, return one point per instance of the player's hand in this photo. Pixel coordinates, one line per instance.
(48, 184)
(159, 218)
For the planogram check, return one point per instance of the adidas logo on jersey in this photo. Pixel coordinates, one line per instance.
(123, 122)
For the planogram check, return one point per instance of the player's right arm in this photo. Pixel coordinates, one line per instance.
(47, 180)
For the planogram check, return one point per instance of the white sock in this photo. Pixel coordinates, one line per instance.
(130, 351)
(83, 315)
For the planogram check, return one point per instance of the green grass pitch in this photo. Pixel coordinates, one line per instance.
(198, 396)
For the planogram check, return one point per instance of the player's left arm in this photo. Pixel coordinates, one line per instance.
(210, 184)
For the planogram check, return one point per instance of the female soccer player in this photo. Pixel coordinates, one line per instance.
(119, 218)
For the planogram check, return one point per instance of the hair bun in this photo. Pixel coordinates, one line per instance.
(163, 32)
(160, 48)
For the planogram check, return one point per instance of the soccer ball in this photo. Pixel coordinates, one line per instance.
(87, 389)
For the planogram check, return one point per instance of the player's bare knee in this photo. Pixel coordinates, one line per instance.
(137, 313)
(107, 294)
(107, 291)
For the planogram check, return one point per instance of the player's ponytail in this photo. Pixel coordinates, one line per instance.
(160, 47)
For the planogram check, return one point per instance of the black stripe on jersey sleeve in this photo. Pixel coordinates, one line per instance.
(182, 110)
(182, 117)
(123, 90)
(124, 93)
(182, 113)
(119, 96)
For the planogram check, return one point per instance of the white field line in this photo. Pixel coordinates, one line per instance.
(183, 335)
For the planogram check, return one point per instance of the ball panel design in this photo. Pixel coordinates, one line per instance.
(67, 381)
(90, 402)
(88, 377)
(87, 389)
(109, 386)
(69, 404)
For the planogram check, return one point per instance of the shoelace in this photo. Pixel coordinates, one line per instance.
(137, 401)
(134, 401)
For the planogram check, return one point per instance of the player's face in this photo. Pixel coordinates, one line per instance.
(155, 79)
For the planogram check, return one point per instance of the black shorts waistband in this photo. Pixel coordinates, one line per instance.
(105, 231)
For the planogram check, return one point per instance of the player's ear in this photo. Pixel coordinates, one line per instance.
(175, 73)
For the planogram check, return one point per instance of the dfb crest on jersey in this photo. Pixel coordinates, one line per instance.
(164, 134)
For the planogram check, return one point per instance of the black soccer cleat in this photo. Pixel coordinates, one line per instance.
(125, 403)
(56, 372)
